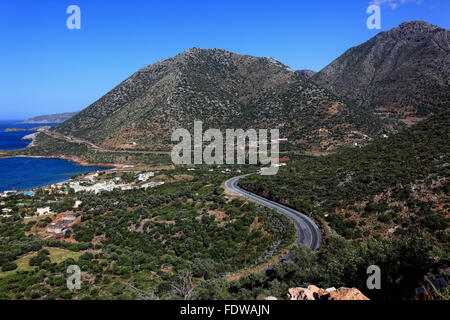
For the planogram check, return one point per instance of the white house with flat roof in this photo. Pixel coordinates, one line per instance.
(145, 176)
(43, 211)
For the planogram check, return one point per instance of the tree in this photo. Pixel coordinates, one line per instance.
(183, 285)
(9, 266)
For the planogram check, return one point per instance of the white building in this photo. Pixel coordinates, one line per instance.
(43, 211)
(8, 193)
(152, 184)
(145, 176)
(125, 188)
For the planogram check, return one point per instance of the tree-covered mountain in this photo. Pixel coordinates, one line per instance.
(224, 90)
(387, 189)
(402, 74)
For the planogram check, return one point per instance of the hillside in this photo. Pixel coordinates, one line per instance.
(388, 189)
(224, 90)
(51, 118)
(402, 75)
(306, 73)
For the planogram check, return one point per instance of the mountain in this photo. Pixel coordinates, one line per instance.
(224, 90)
(52, 118)
(402, 75)
(306, 73)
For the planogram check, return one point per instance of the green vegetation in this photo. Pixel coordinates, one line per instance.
(47, 146)
(400, 183)
(27, 262)
(390, 198)
(338, 263)
(223, 90)
(135, 241)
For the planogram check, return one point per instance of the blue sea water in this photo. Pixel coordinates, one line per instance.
(28, 173)
(12, 140)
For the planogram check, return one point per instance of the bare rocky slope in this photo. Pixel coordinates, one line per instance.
(224, 90)
(402, 75)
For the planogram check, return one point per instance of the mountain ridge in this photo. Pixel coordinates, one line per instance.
(50, 118)
(224, 90)
(401, 75)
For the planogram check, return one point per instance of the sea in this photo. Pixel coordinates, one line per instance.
(21, 174)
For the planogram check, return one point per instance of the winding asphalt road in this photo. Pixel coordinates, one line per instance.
(308, 233)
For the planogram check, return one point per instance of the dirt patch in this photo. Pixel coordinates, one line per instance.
(220, 215)
(334, 109)
(181, 177)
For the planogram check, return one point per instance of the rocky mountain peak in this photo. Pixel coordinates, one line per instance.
(416, 25)
(412, 31)
(401, 75)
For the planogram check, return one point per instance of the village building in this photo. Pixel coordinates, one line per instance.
(56, 227)
(8, 193)
(152, 184)
(145, 176)
(43, 211)
(61, 226)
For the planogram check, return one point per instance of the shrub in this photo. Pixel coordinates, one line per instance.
(9, 266)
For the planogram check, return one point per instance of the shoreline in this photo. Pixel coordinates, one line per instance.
(72, 159)
(31, 137)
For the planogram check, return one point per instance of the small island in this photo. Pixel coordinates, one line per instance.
(14, 130)
(39, 129)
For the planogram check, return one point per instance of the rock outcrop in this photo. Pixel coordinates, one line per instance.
(315, 293)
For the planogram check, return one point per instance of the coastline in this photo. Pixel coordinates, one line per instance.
(31, 137)
(72, 159)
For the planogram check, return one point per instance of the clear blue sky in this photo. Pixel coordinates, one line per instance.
(46, 68)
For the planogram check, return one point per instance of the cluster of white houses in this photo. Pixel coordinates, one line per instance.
(110, 185)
